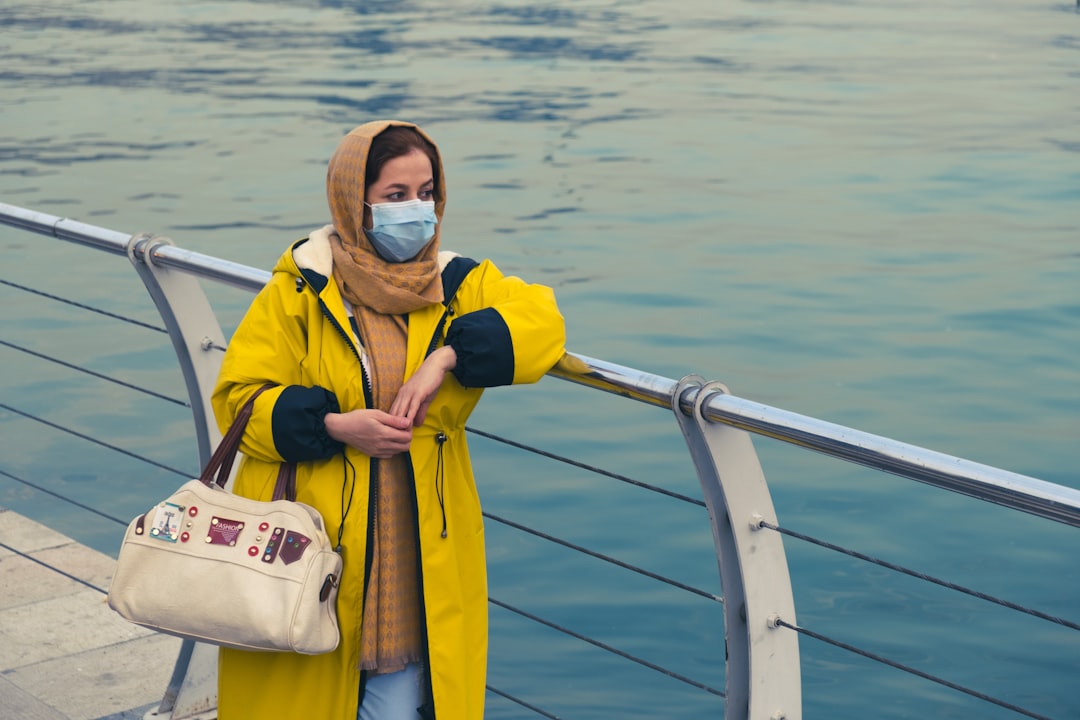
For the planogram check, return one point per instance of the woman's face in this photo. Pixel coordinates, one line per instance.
(406, 177)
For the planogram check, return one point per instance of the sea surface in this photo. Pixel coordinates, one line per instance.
(862, 211)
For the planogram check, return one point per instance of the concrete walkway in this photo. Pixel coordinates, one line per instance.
(64, 655)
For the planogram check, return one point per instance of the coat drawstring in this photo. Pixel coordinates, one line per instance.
(346, 465)
(440, 479)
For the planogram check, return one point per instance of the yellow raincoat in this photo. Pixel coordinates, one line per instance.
(297, 336)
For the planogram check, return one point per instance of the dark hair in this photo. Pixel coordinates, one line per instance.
(394, 142)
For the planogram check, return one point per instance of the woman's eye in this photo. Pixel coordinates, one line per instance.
(427, 194)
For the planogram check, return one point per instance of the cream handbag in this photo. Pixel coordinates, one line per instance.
(211, 566)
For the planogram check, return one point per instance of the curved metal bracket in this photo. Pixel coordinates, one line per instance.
(763, 676)
(193, 328)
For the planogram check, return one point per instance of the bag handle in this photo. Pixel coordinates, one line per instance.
(221, 461)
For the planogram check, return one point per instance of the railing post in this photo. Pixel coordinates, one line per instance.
(763, 676)
(197, 339)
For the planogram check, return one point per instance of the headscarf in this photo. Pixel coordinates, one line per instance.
(364, 278)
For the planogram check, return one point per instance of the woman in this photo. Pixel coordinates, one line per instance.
(378, 346)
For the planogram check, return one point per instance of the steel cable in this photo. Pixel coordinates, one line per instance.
(605, 646)
(63, 497)
(55, 569)
(585, 466)
(605, 558)
(99, 311)
(522, 703)
(922, 576)
(102, 443)
(94, 373)
(908, 669)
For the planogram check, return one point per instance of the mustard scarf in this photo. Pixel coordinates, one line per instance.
(381, 294)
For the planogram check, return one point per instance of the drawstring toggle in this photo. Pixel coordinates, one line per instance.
(440, 479)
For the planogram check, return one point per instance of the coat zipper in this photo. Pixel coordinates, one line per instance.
(373, 466)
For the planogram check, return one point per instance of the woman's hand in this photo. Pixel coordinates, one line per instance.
(416, 394)
(372, 432)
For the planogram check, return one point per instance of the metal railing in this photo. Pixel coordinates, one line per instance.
(761, 632)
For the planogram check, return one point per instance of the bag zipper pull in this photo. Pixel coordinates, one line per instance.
(329, 583)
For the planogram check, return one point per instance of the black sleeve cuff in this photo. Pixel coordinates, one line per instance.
(485, 350)
(299, 424)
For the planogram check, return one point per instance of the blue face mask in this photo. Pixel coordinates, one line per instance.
(400, 230)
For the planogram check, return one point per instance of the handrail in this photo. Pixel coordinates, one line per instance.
(64, 229)
(984, 482)
(1001, 487)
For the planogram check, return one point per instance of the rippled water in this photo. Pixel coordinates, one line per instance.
(863, 211)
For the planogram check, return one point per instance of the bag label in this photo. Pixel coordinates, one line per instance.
(224, 531)
(289, 545)
(166, 522)
(273, 545)
(294, 547)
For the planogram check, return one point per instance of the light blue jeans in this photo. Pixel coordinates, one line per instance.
(394, 696)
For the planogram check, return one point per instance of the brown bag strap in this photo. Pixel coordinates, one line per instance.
(285, 487)
(221, 462)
